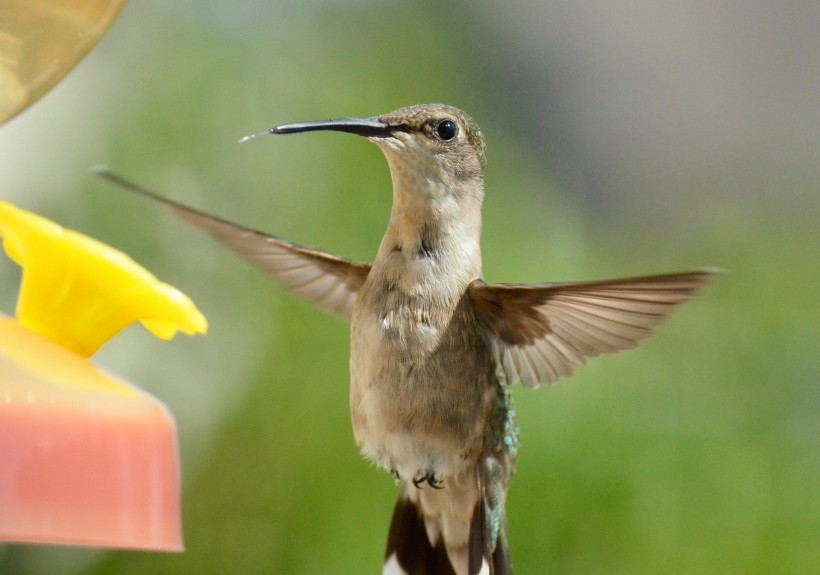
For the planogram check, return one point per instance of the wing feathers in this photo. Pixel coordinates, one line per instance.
(540, 332)
(329, 282)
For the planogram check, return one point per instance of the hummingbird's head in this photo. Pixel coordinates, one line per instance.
(432, 141)
(434, 138)
(436, 158)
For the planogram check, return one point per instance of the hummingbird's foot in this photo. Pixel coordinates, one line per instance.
(435, 482)
(428, 478)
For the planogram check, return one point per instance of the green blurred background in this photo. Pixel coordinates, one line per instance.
(622, 139)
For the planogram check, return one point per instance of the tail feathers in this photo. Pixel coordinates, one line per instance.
(486, 557)
(414, 548)
(409, 551)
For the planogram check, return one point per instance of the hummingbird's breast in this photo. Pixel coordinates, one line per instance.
(422, 375)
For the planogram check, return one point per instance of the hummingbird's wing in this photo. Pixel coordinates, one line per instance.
(329, 282)
(540, 332)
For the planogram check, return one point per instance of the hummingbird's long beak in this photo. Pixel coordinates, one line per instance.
(368, 127)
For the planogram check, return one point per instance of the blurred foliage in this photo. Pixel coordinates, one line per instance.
(700, 452)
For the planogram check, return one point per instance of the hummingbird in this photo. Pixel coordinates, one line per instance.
(434, 349)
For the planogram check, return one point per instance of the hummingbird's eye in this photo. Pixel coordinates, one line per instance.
(447, 130)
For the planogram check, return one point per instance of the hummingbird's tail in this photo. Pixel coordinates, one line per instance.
(457, 529)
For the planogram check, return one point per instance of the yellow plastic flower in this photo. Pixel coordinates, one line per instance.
(80, 292)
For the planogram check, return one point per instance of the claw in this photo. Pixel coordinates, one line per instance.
(428, 478)
(435, 482)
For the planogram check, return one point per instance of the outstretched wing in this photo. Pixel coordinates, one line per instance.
(329, 282)
(540, 332)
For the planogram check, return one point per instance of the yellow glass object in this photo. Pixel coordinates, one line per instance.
(79, 292)
(42, 40)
